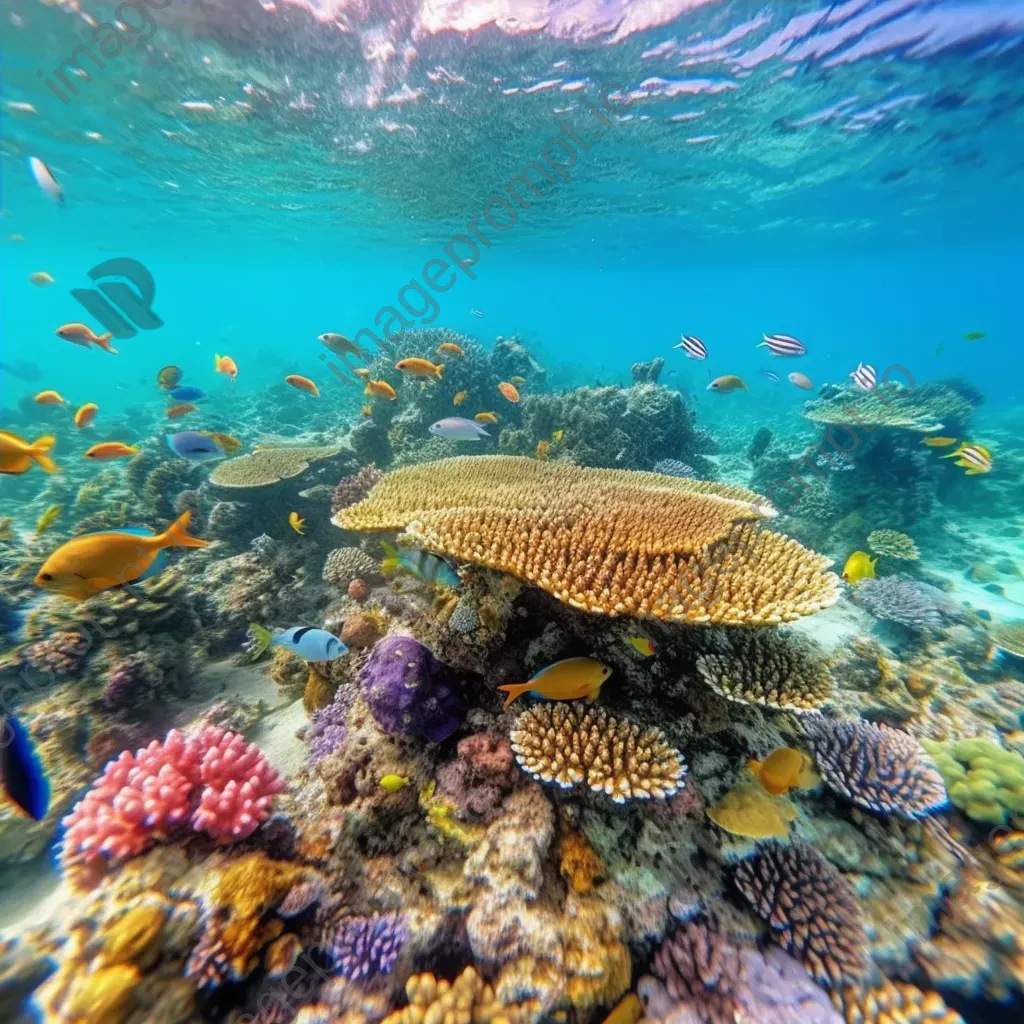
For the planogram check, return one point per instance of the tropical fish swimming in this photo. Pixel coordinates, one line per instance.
(86, 565)
(801, 381)
(193, 446)
(393, 783)
(17, 455)
(179, 409)
(641, 644)
(865, 377)
(460, 397)
(296, 522)
(80, 334)
(48, 518)
(380, 389)
(939, 442)
(40, 277)
(975, 458)
(421, 564)
(449, 348)
(726, 384)
(168, 377)
(227, 444)
(543, 449)
(783, 345)
(85, 414)
(305, 641)
(110, 450)
(45, 179)
(301, 383)
(49, 397)
(859, 566)
(455, 428)
(341, 345)
(486, 417)
(21, 770)
(225, 365)
(571, 679)
(508, 391)
(692, 346)
(784, 769)
(420, 367)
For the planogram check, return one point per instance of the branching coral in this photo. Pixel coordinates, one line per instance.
(812, 910)
(891, 1002)
(764, 667)
(923, 409)
(267, 466)
(984, 780)
(893, 544)
(877, 767)
(569, 745)
(607, 541)
(363, 947)
(900, 600)
(459, 1002)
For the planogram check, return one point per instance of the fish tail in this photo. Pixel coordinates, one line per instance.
(514, 691)
(260, 640)
(39, 451)
(438, 369)
(103, 341)
(176, 535)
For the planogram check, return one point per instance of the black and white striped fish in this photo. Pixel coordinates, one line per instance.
(479, 313)
(771, 375)
(865, 377)
(783, 345)
(692, 346)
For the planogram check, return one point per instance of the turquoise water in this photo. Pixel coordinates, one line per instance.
(848, 173)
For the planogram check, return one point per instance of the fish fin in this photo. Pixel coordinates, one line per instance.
(973, 472)
(103, 342)
(437, 370)
(953, 454)
(261, 640)
(514, 691)
(743, 387)
(176, 535)
(39, 453)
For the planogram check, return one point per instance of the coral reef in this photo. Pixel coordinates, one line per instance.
(463, 1000)
(1008, 636)
(346, 565)
(984, 780)
(354, 487)
(363, 947)
(267, 466)
(925, 409)
(900, 600)
(893, 544)
(893, 1001)
(673, 467)
(60, 654)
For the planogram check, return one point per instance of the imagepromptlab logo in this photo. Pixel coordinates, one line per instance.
(134, 304)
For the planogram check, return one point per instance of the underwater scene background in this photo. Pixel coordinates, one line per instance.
(541, 540)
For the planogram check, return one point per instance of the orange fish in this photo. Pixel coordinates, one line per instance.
(110, 450)
(420, 367)
(730, 382)
(460, 397)
(86, 414)
(486, 417)
(175, 412)
(17, 454)
(509, 391)
(449, 348)
(97, 561)
(225, 365)
(49, 398)
(380, 389)
(80, 334)
(302, 384)
(570, 679)
(784, 769)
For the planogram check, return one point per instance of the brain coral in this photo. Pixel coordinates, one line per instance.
(812, 910)
(607, 541)
(765, 667)
(566, 744)
(267, 466)
(924, 409)
(877, 767)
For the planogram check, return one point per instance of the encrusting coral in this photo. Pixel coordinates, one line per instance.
(984, 780)
(607, 541)
(764, 667)
(569, 745)
(812, 910)
(877, 767)
(893, 544)
(267, 466)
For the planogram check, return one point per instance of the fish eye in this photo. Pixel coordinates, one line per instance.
(45, 576)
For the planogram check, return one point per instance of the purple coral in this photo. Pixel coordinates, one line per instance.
(409, 691)
(877, 767)
(354, 487)
(901, 600)
(363, 947)
(329, 728)
(129, 683)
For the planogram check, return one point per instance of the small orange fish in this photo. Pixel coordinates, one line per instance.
(729, 382)
(86, 414)
(460, 397)
(80, 334)
(784, 769)
(367, 410)
(543, 449)
(225, 442)
(40, 277)
(225, 365)
(939, 442)
(302, 384)
(380, 389)
(570, 679)
(509, 391)
(110, 450)
(175, 412)
(486, 417)
(449, 348)
(49, 398)
(420, 367)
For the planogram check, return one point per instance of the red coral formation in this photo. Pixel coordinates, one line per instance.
(484, 771)
(359, 590)
(142, 797)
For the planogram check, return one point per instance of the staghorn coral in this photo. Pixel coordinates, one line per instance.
(764, 667)
(893, 544)
(608, 541)
(467, 999)
(268, 466)
(569, 745)
(877, 767)
(345, 565)
(812, 910)
(985, 781)
(923, 410)
(364, 947)
(354, 487)
(893, 1002)
(900, 600)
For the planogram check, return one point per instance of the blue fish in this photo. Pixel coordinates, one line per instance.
(193, 446)
(187, 393)
(305, 641)
(421, 564)
(21, 771)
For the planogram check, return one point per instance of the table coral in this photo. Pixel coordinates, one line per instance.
(893, 544)
(267, 466)
(811, 908)
(877, 767)
(923, 409)
(984, 780)
(608, 541)
(764, 667)
(569, 745)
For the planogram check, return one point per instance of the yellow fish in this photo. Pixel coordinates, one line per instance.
(111, 450)
(726, 384)
(420, 367)
(6, 533)
(17, 454)
(628, 1010)
(543, 449)
(641, 644)
(460, 398)
(296, 522)
(557, 435)
(48, 518)
(939, 442)
(97, 561)
(486, 417)
(393, 783)
(225, 442)
(784, 769)
(859, 566)
(972, 457)
(86, 414)
(449, 348)
(570, 679)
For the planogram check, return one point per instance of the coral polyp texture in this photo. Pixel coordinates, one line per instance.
(467, 1000)
(985, 780)
(570, 745)
(893, 544)
(213, 781)
(923, 410)
(267, 466)
(354, 487)
(363, 947)
(607, 541)
(893, 1003)
(764, 667)
(811, 909)
(877, 767)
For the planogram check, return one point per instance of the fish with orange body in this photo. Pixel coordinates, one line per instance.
(784, 769)
(460, 397)
(225, 365)
(380, 389)
(18, 455)
(110, 450)
(543, 449)
(486, 417)
(175, 412)
(420, 367)
(449, 348)
(86, 414)
(367, 410)
(570, 679)
(726, 384)
(80, 334)
(301, 383)
(49, 398)
(508, 391)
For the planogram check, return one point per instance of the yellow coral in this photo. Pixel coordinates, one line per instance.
(101, 997)
(318, 692)
(607, 541)
(568, 745)
(579, 865)
(439, 817)
(983, 779)
(747, 810)
(467, 1000)
(267, 466)
(893, 1002)
(893, 544)
(127, 938)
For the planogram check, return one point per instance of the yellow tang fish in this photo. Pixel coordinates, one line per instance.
(17, 454)
(48, 518)
(641, 644)
(938, 442)
(570, 679)
(784, 769)
(393, 783)
(296, 522)
(859, 566)
(460, 398)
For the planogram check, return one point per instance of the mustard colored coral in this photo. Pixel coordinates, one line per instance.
(571, 745)
(606, 541)
(267, 466)
(891, 1003)
(985, 781)
(467, 1000)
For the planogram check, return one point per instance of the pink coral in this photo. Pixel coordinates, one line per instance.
(484, 771)
(141, 797)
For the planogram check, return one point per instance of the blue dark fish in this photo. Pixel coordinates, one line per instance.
(21, 771)
(306, 641)
(193, 446)
(421, 564)
(187, 393)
